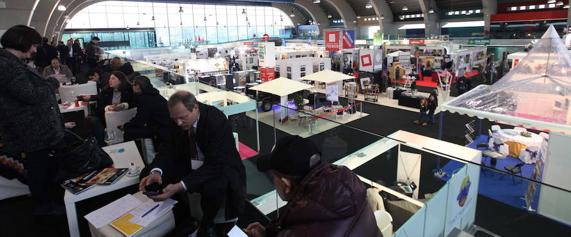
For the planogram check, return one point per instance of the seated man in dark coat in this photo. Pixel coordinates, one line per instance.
(323, 199)
(201, 157)
(152, 119)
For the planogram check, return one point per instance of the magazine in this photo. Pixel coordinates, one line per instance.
(105, 176)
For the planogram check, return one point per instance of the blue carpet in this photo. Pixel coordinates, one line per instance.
(496, 185)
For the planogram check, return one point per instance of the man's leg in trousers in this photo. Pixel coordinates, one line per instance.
(212, 196)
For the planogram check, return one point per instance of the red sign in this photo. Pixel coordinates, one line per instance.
(332, 40)
(267, 74)
(248, 43)
(416, 42)
(266, 37)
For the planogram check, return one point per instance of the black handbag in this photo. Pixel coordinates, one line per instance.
(78, 156)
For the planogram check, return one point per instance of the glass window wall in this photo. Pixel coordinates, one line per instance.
(179, 24)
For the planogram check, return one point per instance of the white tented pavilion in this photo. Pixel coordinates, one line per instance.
(535, 94)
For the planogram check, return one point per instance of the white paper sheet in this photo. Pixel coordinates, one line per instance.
(236, 232)
(105, 215)
(138, 212)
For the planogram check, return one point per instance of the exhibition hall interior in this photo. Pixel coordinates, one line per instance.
(406, 118)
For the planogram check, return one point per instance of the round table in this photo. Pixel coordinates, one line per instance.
(517, 142)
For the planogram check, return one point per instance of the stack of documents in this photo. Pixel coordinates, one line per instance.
(129, 215)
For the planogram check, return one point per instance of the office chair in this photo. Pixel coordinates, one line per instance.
(514, 170)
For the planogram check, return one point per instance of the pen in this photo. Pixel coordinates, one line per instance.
(149, 211)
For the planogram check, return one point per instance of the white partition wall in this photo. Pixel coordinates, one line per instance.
(436, 213)
(408, 170)
(414, 226)
(556, 173)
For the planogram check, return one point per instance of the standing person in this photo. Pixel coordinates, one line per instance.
(201, 157)
(92, 52)
(30, 120)
(63, 51)
(78, 56)
(323, 199)
(44, 55)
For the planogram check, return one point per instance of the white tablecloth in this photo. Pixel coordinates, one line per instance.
(511, 135)
(70, 93)
(113, 119)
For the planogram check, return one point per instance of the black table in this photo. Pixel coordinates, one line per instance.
(410, 100)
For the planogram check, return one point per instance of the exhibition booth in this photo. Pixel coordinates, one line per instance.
(533, 95)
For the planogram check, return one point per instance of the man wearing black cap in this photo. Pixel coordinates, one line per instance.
(323, 199)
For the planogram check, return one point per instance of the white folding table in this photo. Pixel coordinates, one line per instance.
(122, 155)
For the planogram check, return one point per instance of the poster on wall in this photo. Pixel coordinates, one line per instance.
(462, 197)
(377, 60)
(348, 39)
(366, 60)
(332, 92)
(404, 59)
(332, 40)
(378, 38)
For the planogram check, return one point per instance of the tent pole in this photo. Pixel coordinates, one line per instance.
(441, 125)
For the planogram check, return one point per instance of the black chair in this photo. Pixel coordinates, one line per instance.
(514, 170)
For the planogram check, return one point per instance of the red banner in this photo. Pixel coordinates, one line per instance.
(248, 43)
(416, 42)
(267, 74)
(332, 40)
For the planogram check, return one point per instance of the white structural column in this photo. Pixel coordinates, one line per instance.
(385, 15)
(431, 20)
(56, 19)
(318, 15)
(346, 12)
(42, 15)
(490, 7)
(17, 12)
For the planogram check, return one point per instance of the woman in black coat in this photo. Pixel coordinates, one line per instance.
(117, 96)
(152, 119)
(30, 120)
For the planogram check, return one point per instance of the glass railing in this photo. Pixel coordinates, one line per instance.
(453, 188)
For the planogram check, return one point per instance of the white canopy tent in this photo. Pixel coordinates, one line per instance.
(282, 87)
(534, 94)
(333, 82)
(327, 77)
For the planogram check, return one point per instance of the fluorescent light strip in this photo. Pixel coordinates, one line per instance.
(412, 26)
(463, 24)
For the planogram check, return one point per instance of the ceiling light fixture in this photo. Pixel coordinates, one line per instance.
(243, 11)
(405, 8)
(316, 1)
(551, 1)
(566, 6)
(61, 8)
(382, 17)
(368, 6)
(153, 18)
(560, 3)
(292, 15)
(431, 11)
(358, 17)
(329, 16)
(180, 10)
